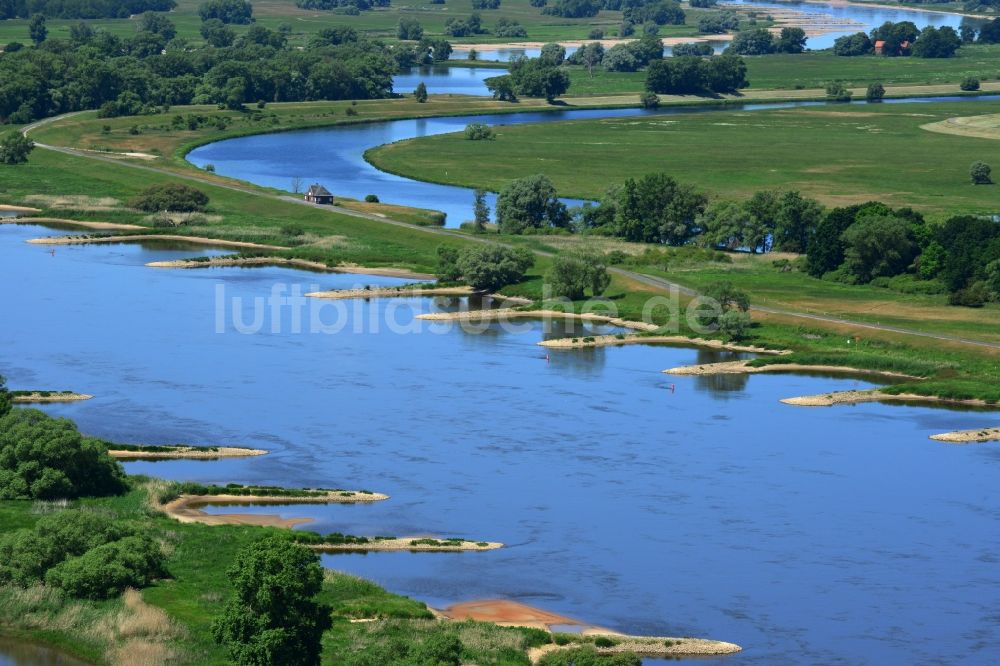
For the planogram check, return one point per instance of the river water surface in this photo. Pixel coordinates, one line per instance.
(629, 499)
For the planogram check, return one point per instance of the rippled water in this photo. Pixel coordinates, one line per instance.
(809, 536)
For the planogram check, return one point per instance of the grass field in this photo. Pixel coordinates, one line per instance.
(815, 70)
(379, 23)
(840, 154)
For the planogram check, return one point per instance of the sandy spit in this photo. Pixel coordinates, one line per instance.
(743, 367)
(405, 544)
(392, 292)
(294, 263)
(104, 226)
(612, 340)
(188, 453)
(54, 397)
(874, 395)
(196, 240)
(186, 509)
(19, 209)
(509, 313)
(968, 436)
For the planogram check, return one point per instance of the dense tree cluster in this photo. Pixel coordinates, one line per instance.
(346, 6)
(682, 75)
(144, 72)
(718, 23)
(760, 41)
(46, 458)
(873, 242)
(530, 204)
(902, 39)
(87, 555)
(81, 9)
(456, 27)
(227, 11)
(274, 616)
(632, 56)
(484, 268)
(529, 77)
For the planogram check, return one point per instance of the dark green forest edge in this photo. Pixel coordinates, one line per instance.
(86, 564)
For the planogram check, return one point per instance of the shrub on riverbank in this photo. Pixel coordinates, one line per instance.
(173, 197)
(46, 458)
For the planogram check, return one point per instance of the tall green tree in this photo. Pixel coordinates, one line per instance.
(573, 273)
(480, 211)
(530, 203)
(878, 245)
(37, 30)
(657, 209)
(15, 148)
(274, 618)
(492, 267)
(4, 397)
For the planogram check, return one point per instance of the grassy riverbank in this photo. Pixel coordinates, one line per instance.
(175, 614)
(258, 215)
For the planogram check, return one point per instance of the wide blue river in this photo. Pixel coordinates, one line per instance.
(809, 536)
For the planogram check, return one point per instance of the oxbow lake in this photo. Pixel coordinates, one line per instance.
(334, 156)
(808, 536)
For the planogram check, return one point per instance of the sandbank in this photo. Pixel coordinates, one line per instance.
(187, 453)
(138, 238)
(406, 544)
(19, 209)
(392, 292)
(873, 395)
(37, 396)
(510, 313)
(969, 436)
(104, 226)
(292, 262)
(744, 367)
(511, 613)
(613, 340)
(186, 509)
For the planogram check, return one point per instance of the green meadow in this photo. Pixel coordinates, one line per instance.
(839, 154)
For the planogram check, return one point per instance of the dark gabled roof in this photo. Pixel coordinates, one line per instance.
(318, 190)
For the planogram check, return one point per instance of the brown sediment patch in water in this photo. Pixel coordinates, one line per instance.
(613, 340)
(187, 453)
(510, 313)
(874, 395)
(38, 397)
(138, 238)
(969, 436)
(744, 367)
(62, 222)
(393, 292)
(506, 613)
(186, 509)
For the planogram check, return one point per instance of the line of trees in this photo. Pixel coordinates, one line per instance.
(693, 75)
(153, 69)
(81, 9)
(904, 39)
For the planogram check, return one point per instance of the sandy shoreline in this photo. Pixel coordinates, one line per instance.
(101, 226)
(509, 313)
(873, 395)
(392, 292)
(744, 367)
(406, 544)
(8, 208)
(186, 509)
(37, 397)
(218, 262)
(187, 453)
(969, 436)
(507, 613)
(138, 238)
(613, 340)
